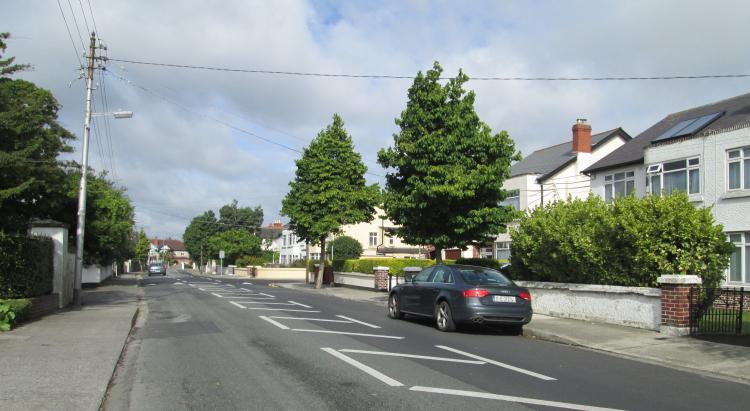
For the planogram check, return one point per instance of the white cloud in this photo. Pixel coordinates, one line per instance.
(177, 164)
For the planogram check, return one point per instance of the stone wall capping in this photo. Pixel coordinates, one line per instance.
(679, 279)
(593, 288)
(380, 268)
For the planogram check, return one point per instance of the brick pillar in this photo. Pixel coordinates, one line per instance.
(381, 277)
(675, 303)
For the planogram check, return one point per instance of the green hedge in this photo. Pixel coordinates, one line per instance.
(365, 265)
(630, 242)
(26, 268)
(482, 262)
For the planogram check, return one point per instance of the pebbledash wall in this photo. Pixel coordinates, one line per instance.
(638, 307)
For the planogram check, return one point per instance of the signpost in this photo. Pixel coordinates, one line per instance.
(221, 262)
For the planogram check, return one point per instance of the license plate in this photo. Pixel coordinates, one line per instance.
(503, 299)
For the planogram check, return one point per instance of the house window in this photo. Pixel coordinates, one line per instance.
(738, 165)
(513, 199)
(739, 263)
(315, 256)
(683, 175)
(284, 239)
(502, 250)
(618, 185)
(373, 239)
(390, 240)
(283, 259)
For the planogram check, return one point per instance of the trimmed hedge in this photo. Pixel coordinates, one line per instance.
(481, 262)
(365, 265)
(630, 242)
(26, 268)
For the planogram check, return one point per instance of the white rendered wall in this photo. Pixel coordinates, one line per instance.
(638, 307)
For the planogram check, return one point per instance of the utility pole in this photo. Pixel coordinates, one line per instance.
(84, 169)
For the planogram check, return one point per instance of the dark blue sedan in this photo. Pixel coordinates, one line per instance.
(459, 294)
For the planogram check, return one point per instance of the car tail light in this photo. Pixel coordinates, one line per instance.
(525, 295)
(476, 293)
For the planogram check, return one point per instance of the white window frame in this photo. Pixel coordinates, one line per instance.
(741, 242)
(743, 160)
(505, 247)
(373, 238)
(610, 181)
(657, 171)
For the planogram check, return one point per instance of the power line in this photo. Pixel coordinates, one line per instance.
(212, 118)
(78, 56)
(108, 129)
(398, 77)
(85, 20)
(78, 30)
(91, 11)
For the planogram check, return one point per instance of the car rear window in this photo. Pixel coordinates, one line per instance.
(483, 276)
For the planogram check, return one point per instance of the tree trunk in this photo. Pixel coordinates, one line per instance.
(438, 255)
(322, 268)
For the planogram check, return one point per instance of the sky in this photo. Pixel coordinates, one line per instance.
(199, 139)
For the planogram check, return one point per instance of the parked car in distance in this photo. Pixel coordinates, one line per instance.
(461, 294)
(156, 269)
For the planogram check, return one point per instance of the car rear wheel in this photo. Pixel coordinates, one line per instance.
(394, 307)
(444, 317)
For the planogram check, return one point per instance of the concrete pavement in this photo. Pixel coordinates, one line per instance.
(66, 360)
(716, 359)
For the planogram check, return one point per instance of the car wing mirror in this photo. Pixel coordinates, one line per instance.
(409, 278)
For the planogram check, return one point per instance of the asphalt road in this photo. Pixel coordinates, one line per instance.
(241, 344)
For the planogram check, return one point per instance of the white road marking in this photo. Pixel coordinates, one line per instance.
(522, 400)
(263, 302)
(254, 298)
(151, 284)
(499, 364)
(301, 305)
(312, 319)
(369, 370)
(348, 333)
(217, 295)
(357, 321)
(423, 357)
(247, 283)
(274, 322)
(267, 295)
(281, 309)
(192, 285)
(179, 284)
(238, 305)
(246, 289)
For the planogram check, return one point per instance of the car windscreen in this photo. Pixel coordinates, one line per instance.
(483, 276)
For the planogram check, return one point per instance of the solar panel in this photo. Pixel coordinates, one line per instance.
(688, 127)
(698, 124)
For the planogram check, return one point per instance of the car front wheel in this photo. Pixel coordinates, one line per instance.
(394, 307)
(444, 317)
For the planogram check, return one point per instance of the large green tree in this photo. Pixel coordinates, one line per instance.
(233, 217)
(448, 168)
(31, 139)
(329, 189)
(345, 248)
(197, 233)
(235, 244)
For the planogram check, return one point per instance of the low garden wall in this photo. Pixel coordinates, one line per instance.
(95, 274)
(359, 280)
(638, 307)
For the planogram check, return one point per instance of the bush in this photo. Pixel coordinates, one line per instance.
(630, 242)
(482, 262)
(298, 264)
(345, 248)
(365, 265)
(12, 312)
(25, 266)
(249, 260)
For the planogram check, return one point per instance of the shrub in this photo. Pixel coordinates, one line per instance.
(630, 242)
(396, 265)
(482, 262)
(12, 312)
(26, 268)
(249, 260)
(345, 248)
(298, 264)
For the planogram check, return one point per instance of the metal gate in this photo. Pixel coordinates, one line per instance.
(718, 310)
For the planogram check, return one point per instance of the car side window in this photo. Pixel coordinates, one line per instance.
(442, 275)
(424, 275)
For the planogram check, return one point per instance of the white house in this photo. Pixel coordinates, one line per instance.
(556, 173)
(704, 151)
(377, 238)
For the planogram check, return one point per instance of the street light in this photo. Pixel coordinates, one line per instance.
(82, 188)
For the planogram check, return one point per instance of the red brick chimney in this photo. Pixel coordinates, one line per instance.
(277, 224)
(581, 136)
